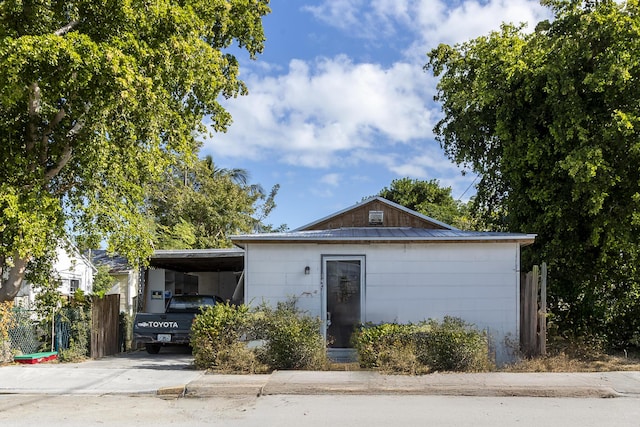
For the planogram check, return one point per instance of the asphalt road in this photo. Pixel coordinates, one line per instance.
(97, 392)
(321, 411)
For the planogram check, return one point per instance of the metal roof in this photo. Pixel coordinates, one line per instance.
(386, 234)
(191, 260)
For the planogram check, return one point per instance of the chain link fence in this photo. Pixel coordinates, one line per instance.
(19, 333)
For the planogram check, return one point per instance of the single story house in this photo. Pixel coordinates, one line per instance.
(378, 262)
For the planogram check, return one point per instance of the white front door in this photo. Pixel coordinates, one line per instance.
(343, 296)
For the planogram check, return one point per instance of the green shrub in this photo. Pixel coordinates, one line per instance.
(292, 339)
(452, 345)
(78, 317)
(215, 338)
(374, 342)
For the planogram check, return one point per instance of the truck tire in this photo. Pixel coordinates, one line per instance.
(152, 348)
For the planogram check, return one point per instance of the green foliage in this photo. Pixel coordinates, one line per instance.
(551, 121)
(453, 345)
(97, 100)
(293, 339)
(102, 281)
(450, 345)
(198, 206)
(79, 320)
(374, 342)
(215, 338)
(428, 198)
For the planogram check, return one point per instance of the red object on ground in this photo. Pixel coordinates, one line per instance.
(34, 358)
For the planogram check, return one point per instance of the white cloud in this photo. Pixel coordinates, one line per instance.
(431, 21)
(318, 113)
(332, 179)
(335, 113)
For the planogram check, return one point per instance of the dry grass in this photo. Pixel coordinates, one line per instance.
(563, 362)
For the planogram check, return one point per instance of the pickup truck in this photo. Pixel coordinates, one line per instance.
(172, 327)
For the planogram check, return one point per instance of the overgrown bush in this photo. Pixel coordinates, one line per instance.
(6, 323)
(452, 345)
(78, 318)
(292, 338)
(374, 343)
(215, 339)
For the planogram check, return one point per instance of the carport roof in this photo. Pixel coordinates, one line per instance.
(192, 260)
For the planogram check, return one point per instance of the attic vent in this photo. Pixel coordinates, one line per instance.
(376, 217)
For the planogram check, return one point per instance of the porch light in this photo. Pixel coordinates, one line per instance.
(307, 270)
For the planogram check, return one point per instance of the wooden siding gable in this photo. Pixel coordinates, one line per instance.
(393, 215)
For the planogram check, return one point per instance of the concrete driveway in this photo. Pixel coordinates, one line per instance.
(129, 373)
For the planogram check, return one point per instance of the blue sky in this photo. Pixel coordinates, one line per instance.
(339, 104)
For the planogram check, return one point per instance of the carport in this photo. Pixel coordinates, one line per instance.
(193, 271)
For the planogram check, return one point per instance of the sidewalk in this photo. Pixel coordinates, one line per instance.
(144, 377)
(600, 384)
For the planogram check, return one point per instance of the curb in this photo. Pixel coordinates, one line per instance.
(172, 391)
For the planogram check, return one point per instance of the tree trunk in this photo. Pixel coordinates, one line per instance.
(11, 286)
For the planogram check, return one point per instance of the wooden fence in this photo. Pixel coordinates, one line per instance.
(533, 312)
(105, 322)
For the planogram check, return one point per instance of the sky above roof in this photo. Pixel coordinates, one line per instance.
(339, 104)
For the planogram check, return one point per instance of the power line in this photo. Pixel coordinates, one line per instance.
(465, 191)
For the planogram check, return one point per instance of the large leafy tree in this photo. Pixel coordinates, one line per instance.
(551, 120)
(97, 97)
(429, 198)
(200, 206)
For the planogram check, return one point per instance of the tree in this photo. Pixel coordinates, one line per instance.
(97, 97)
(199, 207)
(428, 198)
(551, 121)
(102, 280)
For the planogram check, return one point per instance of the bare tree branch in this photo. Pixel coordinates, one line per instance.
(64, 30)
(53, 123)
(34, 111)
(62, 161)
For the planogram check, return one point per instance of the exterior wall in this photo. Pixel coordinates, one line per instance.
(126, 284)
(67, 267)
(220, 283)
(156, 283)
(478, 282)
(71, 266)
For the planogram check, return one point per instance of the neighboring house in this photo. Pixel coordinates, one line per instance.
(125, 279)
(378, 262)
(71, 268)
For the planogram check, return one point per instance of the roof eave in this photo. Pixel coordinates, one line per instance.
(524, 241)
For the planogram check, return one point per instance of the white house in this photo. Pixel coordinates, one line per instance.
(378, 262)
(71, 268)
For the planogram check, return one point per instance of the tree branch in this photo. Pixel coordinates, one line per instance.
(53, 123)
(62, 161)
(64, 30)
(11, 286)
(34, 111)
